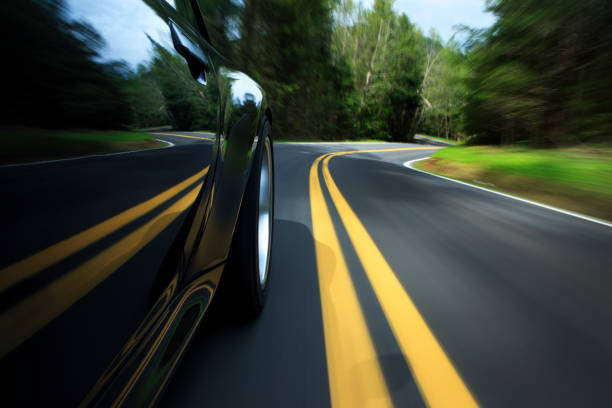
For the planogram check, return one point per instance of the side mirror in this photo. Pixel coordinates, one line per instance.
(196, 60)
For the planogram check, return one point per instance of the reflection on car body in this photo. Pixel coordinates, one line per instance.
(114, 259)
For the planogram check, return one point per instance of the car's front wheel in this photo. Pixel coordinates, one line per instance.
(245, 279)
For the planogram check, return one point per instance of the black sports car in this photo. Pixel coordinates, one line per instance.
(137, 178)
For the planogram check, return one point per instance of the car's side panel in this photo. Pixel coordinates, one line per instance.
(111, 66)
(83, 70)
(151, 364)
(242, 106)
(142, 369)
(141, 373)
(242, 110)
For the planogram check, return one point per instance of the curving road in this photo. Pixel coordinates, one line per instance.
(388, 286)
(515, 298)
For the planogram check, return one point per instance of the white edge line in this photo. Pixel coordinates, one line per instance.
(409, 163)
(169, 144)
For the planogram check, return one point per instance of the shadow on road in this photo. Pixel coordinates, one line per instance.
(277, 359)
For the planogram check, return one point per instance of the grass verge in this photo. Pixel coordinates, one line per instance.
(26, 145)
(577, 179)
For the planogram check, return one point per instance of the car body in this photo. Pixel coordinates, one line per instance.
(114, 260)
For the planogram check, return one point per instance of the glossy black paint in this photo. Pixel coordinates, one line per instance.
(188, 276)
(208, 242)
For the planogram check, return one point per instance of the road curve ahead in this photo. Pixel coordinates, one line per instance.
(393, 287)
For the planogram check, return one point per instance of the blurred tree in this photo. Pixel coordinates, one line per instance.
(189, 104)
(385, 52)
(444, 90)
(56, 79)
(542, 73)
(333, 69)
(286, 45)
(146, 99)
(283, 45)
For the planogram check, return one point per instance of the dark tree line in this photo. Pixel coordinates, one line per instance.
(332, 70)
(541, 73)
(50, 69)
(56, 78)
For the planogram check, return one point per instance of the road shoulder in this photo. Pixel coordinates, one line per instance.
(545, 199)
(27, 146)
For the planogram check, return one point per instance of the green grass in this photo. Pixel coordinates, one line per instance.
(28, 144)
(577, 179)
(102, 137)
(585, 168)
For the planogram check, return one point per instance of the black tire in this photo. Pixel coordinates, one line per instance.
(243, 291)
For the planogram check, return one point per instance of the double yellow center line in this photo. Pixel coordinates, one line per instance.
(355, 376)
(32, 313)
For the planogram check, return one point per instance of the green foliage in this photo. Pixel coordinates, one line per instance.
(332, 70)
(52, 68)
(384, 52)
(60, 81)
(285, 44)
(444, 90)
(189, 105)
(542, 73)
(146, 99)
(21, 144)
(324, 77)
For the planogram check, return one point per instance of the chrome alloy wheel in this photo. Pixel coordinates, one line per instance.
(264, 216)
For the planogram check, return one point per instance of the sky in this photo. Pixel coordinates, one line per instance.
(124, 25)
(442, 15)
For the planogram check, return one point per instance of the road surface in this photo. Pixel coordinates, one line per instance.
(386, 286)
(518, 296)
(431, 140)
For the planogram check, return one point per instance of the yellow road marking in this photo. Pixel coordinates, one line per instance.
(439, 382)
(355, 376)
(24, 319)
(15, 273)
(393, 149)
(187, 136)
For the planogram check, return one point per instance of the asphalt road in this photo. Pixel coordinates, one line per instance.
(431, 140)
(457, 293)
(516, 295)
